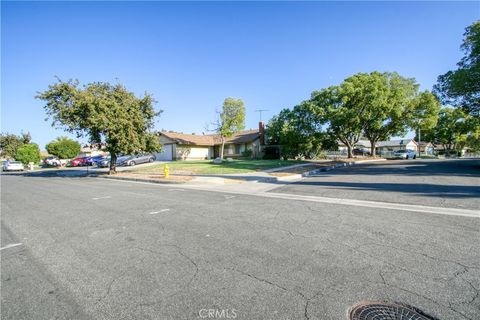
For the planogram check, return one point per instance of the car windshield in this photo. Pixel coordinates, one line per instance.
(15, 162)
(401, 151)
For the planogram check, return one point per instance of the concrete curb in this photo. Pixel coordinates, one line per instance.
(324, 169)
(141, 180)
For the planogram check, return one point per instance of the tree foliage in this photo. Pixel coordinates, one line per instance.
(452, 129)
(232, 119)
(9, 143)
(104, 113)
(299, 132)
(63, 148)
(374, 105)
(28, 153)
(461, 87)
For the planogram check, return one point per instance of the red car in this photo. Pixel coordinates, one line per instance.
(77, 162)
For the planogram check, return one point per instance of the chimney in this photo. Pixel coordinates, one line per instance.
(261, 130)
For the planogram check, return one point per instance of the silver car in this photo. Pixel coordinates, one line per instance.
(136, 159)
(12, 166)
(404, 154)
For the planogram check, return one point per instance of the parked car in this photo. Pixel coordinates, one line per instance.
(361, 152)
(136, 159)
(9, 165)
(90, 161)
(77, 162)
(404, 154)
(104, 163)
(52, 161)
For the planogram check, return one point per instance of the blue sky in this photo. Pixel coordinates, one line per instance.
(192, 55)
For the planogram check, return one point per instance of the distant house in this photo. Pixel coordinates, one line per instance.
(383, 146)
(426, 148)
(393, 145)
(180, 146)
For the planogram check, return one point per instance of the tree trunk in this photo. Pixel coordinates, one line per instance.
(350, 151)
(373, 152)
(222, 148)
(113, 163)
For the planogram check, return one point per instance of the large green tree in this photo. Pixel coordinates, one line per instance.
(63, 148)
(105, 113)
(346, 107)
(461, 87)
(9, 143)
(423, 117)
(388, 99)
(452, 129)
(28, 152)
(298, 131)
(231, 120)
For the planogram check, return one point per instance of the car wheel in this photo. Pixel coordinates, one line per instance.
(132, 163)
(414, 157)
(150, 160)
(406, 157)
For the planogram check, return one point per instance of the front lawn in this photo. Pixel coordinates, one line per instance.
(208, 167)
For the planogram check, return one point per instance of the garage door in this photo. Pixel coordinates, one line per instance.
(166, 154)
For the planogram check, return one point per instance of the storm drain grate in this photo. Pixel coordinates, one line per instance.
(376, 310)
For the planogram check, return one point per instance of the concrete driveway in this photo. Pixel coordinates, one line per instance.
(86, 248)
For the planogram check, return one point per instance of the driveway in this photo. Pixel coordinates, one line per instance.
(442, 183)
(90, 248)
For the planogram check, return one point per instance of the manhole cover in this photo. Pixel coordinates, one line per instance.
(377, 310)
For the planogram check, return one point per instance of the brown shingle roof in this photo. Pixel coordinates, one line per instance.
(211, 139)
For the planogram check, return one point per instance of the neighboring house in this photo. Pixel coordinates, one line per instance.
(441, 150)
(383, 146)
(426, 148)
(180, 146)
(91, 150)
(393, 145)
(361, 144)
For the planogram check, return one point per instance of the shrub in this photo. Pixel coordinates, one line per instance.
(247, 153)
(28, 153)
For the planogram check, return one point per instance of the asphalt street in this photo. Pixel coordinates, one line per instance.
(447, 183)
(91, 248)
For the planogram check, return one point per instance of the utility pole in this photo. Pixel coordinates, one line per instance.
(260, 111)
(419, 139)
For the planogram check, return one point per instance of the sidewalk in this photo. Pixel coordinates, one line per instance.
(252, 182)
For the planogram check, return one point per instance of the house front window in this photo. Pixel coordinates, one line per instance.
(238, 149)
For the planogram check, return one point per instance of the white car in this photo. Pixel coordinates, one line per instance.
(405, 154)
(52, 161)
(12, 166)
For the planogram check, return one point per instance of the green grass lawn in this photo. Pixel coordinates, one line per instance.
(208, 167)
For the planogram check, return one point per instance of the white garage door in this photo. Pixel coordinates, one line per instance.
(166, 154)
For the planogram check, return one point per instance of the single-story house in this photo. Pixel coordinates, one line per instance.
(180, 146)
(393, 145)
(426, 148)
(383, 146)
(361, 144)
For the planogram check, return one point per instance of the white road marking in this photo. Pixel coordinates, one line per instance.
(11, 246)
(229, 197)
(375, 204)
(337, 201)
(155, 212)
(176, 190)
(99, 198)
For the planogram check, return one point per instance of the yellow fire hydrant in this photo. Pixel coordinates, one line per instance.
(166, 171)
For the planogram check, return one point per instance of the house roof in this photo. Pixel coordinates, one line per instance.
(211, 139)
(394, 143)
